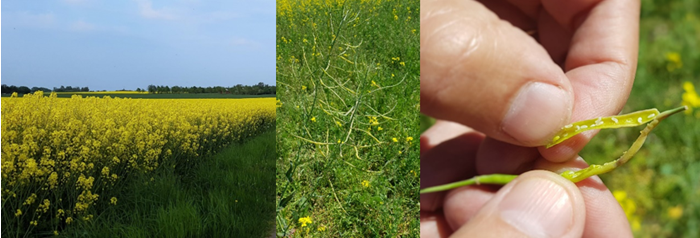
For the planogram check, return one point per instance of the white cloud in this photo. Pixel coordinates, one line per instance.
(146, 10)
(82, 26)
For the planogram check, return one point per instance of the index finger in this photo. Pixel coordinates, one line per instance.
(601, 61)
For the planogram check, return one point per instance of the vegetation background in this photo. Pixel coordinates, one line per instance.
(227, 194)
(347, 116)
(659, 188)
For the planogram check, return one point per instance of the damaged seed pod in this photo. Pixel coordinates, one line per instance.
(628, 120)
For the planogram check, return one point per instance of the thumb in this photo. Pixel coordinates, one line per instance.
(485, 73)
(536, 204)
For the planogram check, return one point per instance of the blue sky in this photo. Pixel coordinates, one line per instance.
(110, 45)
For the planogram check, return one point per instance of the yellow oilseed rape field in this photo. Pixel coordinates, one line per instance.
(63, 158)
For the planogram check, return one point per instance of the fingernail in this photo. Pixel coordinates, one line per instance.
(538, 208)
(538, 111)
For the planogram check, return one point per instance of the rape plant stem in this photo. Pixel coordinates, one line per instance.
(497, 179)
(573, 176)
(576, 176)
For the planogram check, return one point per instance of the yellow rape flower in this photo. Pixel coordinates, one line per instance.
(105, 171)
(674, 61)
(30, 199)
(630, 207)
(373, 121)
(675, 212)
(365, 183)
(690, 97)
(305, 220)
(394, 139)
(53, 180)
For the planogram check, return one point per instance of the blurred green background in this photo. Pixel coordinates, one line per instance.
(659, 189)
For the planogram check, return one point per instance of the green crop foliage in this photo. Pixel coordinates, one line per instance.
(348, 102)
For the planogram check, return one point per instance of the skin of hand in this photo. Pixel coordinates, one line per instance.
(551, 206)
(516, 72)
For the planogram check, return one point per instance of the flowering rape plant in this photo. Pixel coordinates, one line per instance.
(61, 158)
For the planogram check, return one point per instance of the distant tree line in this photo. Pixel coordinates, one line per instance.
(238, 89)
(71, 89)
(24, 89)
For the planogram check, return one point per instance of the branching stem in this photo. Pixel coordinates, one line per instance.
(573, 176)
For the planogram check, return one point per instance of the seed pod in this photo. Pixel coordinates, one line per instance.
(628, 120)
(579, 175)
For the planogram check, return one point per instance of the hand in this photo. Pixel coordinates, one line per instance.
(517, 72)
(536, 204)
(481, 68)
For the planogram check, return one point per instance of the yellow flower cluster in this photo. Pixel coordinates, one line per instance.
(675, 212)
(65, 152)
(690, 97)
(674, 61)
(305, 220)
(365, 183)
(630, 208)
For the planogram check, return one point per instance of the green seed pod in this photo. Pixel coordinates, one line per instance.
(628, 120)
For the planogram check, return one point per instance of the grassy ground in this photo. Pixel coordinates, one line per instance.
(169, 96)
(231, 194)
(347, 116)
(659, 188)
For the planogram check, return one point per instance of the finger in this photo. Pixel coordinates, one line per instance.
(450, 160)
(504, 158)
(482, 72)
(440, 132)
(601, 78)
(511, 13)
(553, 37)
(458, 212)
(604, 216)
(433, 225)
(536, 204)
